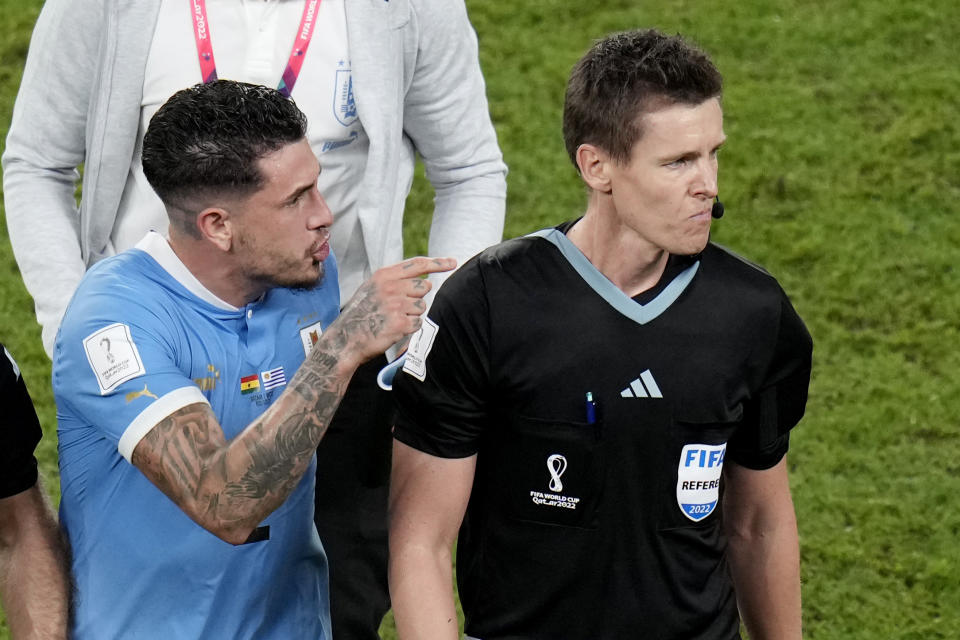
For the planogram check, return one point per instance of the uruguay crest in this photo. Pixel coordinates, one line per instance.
(309, 336)
(344, 106)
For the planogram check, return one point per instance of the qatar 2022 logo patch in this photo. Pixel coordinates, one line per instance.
(698, 479)
(556, 465)
(113, 356)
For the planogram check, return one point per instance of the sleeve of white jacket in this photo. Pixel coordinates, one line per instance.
(447, 117)
(44, 148)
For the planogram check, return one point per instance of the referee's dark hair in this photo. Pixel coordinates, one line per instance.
(205, 141)
(626, 75)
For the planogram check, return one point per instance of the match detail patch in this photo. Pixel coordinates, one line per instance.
(113, 356)
(420, 345)
(698, 479)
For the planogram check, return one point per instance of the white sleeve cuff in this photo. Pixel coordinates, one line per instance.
(152, 415)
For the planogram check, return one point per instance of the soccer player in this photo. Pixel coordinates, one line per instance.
(602, 410)
(195, 377)
(34, 586)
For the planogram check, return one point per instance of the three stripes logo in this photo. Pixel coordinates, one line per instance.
(643, 387)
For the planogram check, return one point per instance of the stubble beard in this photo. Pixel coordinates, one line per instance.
(280, 271)
(284, 281)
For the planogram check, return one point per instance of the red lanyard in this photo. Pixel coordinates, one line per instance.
(208, 66)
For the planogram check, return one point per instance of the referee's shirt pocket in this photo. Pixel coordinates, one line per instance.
(691, 489)
(551, 472)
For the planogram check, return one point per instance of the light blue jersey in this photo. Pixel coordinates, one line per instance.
(141, 339)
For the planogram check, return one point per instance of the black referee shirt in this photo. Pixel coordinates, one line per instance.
(19, 431)
(602, 522)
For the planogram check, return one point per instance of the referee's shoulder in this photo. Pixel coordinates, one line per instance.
(497, 265)
(732, 265)
(736, 278)
(503, 254)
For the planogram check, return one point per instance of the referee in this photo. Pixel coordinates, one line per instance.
(602, 410)
(34, 580)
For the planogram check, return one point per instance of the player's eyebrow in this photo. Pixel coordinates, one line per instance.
(299, 191)
(296, 194)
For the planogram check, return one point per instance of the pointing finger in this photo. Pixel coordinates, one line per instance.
(422, 265)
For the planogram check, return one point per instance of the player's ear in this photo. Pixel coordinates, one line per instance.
(593, 162)
(216, 225)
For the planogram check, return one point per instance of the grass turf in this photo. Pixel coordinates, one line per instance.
(842, 177)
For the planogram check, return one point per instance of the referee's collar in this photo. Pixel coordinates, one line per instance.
(642, 308)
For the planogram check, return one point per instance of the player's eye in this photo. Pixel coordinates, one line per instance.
(297, 199)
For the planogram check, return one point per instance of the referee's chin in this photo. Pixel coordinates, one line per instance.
(695, 248)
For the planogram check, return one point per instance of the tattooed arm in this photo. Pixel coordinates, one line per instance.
(229, 487)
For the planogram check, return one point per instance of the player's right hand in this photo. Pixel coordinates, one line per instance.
(389, 306)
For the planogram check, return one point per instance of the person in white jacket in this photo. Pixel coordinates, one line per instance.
(379, 81)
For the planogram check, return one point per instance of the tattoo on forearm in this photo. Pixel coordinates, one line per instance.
(364, 313)
(177, 442)
(187, 456)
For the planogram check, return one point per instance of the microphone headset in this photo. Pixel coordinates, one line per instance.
(717, 211)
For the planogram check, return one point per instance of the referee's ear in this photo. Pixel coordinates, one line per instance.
(592, 162)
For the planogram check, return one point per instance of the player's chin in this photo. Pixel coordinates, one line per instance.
(310, 279)
(315, 279)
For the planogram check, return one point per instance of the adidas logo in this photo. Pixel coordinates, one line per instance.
(643, 387)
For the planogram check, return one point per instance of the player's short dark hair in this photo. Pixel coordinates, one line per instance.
(626, 75)
(207, 139)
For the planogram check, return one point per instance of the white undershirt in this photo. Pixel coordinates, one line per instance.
(251, 42)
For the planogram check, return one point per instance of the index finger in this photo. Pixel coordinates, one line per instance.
(422, 265)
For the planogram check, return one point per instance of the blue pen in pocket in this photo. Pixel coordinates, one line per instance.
(591, 409)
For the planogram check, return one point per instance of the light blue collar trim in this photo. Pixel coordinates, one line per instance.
(640, 313)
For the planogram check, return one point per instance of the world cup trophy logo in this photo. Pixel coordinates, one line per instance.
(556, 464)
(105, 345)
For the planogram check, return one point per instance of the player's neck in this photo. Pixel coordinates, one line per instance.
(214, 270)
(628, 260)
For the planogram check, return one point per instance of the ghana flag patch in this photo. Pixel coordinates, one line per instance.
(249, 384)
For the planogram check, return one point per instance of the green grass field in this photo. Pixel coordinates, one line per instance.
(842, 177)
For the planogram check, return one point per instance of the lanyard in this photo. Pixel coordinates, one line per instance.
(208, 66)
